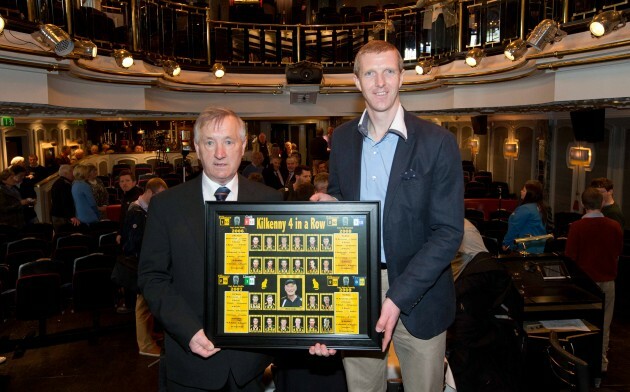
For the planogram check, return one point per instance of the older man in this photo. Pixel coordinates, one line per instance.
(62, 208)
(171, 273)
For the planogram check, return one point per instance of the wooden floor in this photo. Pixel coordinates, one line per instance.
(112, 363)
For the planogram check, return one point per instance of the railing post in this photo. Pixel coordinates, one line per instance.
(135, 44)
(565, 11)
(32, 7)
(69, 15)
(299, 41)
(521, 32)
(208, 39)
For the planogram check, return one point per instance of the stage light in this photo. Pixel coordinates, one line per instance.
(218, 70)
(123, 58)
(606, 22)
(515, 49)
(545, 33)
(474, 57)
(171, 68)
(424, 67)
(85, 48)
(55, 38)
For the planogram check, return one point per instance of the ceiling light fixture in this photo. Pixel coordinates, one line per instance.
(54, 37)
(515, 49)
(218, 70)
(85, 48)
(606, 22)
(474, 57)
(171, 68)
(123, 58)
(424, 67)
(545, 33)
(2, 24)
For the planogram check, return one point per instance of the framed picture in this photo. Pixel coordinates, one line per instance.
(289, 275)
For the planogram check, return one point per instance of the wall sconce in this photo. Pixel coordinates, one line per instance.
(218, 70)
(85, 49)
(510, 149)
(472, 143)
(580, 155)
(515, 49)
(171, 68)
(424, 67)
(606, 22)
(54, 37)
(2, 24)
(544, 33)
(474, 57)
(123, 58)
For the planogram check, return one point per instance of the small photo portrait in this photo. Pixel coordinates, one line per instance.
(297, 242)
(254, 324)
(236, 280)
(327, 302)
(312, 301)
(326, 324)
(312, 265)
(312, 324)
(254, 265)
(326, 266)
(270, 301)
(311, 243)
(297, 324)
(298, 266)
(291, 290)
(270, 242)
(283, 324)
(283, 242)
(254, 301)
(270, 265)
(270, 324)
(283, 266)
(345, 281)
(254, 242)
(326, 242)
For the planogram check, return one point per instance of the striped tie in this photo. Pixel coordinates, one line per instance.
(222, 193)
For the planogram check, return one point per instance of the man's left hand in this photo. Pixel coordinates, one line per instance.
(387, 322)
(321, 350)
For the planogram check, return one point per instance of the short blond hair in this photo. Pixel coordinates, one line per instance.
(81, 172)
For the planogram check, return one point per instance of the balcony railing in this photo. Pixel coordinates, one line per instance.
(158, 29)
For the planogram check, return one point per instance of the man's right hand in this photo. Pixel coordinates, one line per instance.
(75, 221)
(200, 345)
(319, 196)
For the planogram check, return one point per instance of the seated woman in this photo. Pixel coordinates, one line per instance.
(528, 219)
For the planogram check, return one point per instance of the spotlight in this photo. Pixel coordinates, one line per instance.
(123, 58)
(474, 57)
(515, 49)
(424, 67)
(2, 23)
(85, 48)
(54, 37)
(606, 22)
(171, 68)
(546, 32)
(218, 70)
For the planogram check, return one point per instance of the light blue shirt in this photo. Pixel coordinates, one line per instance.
(376, 162)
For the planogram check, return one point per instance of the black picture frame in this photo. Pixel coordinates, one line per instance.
(352, 282)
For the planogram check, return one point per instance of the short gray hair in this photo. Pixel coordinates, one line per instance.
(214, 116)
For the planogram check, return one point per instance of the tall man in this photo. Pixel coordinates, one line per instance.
(171, 273)
(414, 168)
(595, 243)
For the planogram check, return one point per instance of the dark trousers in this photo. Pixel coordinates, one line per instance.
(255, 385)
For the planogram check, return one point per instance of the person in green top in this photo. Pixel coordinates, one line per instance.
(610, 209)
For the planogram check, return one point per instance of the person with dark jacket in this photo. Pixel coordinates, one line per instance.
(127, 183)
(11, 203)
(62, 204)
(318, 149)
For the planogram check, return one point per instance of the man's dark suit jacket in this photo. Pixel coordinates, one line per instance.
(271, 179)
(171, 277)
(423, 217)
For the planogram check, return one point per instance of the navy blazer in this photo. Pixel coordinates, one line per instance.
(171, 277)
(423, 217)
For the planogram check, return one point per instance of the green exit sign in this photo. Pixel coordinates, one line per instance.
(8, 121)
